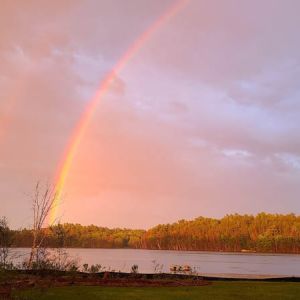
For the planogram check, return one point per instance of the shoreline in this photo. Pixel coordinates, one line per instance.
(13, 281)
(176, 251)
(149, 276)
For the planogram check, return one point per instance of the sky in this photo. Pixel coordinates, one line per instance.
(203, 121)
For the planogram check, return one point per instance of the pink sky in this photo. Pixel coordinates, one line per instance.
(205, 120)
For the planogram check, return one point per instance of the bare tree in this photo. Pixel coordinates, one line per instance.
(61, 256)
(5, 242)
(43, 201)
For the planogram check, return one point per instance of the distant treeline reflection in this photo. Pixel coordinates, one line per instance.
(261, 233)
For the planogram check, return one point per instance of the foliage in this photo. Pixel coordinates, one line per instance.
(157, 267)
(78, 236)
(54, 259)
(92, 269)
(262, 233)
(6, 240)
(134, 269)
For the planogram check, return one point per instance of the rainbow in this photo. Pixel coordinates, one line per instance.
(83, 123)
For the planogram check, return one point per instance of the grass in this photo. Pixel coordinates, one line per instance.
(216, 291)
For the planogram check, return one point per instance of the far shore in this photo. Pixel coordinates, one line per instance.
(175, 250)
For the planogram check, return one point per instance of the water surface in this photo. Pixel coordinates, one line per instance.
(203, 262)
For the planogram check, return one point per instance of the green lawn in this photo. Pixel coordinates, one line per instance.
(218, 290)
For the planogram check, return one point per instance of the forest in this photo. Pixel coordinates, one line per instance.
(264, 232)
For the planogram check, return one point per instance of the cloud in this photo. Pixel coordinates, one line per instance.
(238, 153)
(289, 159)
(205, 115)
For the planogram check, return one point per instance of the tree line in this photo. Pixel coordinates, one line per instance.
(264, 232)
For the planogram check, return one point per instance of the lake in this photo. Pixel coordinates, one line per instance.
(204, 262)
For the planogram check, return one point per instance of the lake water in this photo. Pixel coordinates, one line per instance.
(203, 262)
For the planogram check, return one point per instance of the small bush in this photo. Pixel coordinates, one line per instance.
(134, 269)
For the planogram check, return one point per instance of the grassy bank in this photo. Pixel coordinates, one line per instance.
(216, 291)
